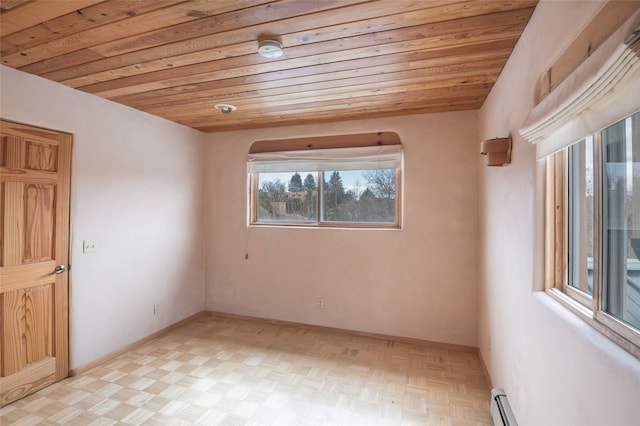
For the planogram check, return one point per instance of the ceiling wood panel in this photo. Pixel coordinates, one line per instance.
(343, 59)
(28, 14)
(86, 18)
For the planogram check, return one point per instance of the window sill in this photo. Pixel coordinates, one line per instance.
(587, 316)
(350, 227)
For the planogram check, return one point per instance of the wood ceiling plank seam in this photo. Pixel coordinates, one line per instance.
(161, 79)
(210, 42)
(249, 48)
(415, 17)
(336, 104)
(365, 98)
(345, 110)
(378, 74)
(403, 108)
(345, 116)
(320, 90)
(254, 124)
(346, 113)
(352, 102)
(272, 12)
(101, 77)
(479, 36)
(426, 68)
(5, 5)
(71, 59)
(113, 31)
(163, 51)
(369, 96)
(80, 20)
(500, 48)
(26, 15)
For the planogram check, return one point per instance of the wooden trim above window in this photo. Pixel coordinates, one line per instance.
(612, 15)
(326, 142)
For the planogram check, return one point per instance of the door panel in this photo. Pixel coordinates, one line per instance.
(34, 224)
(39, 217)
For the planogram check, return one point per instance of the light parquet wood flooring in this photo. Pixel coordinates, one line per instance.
(227, 371)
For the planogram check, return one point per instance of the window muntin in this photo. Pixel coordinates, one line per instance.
(600, 204)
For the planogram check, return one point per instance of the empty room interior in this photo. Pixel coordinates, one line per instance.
(320, 212)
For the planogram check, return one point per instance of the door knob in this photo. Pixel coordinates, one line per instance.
(59, 269)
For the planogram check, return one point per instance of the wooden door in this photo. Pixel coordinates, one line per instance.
(35, 166)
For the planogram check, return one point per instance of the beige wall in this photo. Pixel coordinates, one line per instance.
(417, 282)
(136, 188)
(556, 369)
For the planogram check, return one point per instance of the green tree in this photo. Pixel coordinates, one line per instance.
(295, 184)
(336, 187)
(333, 196)
(309, 183)
(310, 203)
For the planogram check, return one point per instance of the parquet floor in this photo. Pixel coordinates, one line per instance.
(223, 371)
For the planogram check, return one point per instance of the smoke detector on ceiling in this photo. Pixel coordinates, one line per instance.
(270, 49)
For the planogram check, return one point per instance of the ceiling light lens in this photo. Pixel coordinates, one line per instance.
(225, 108)
(270, 49)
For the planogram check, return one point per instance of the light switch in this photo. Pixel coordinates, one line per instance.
(89, 246)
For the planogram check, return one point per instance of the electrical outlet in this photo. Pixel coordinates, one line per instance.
(320, 304)
(89, 246)
(156, 309)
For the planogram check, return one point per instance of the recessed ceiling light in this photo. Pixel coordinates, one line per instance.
(270, 49)
(225, 108)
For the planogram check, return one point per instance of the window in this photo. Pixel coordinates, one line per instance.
(595, 226)
(586, 125)
(338, 187)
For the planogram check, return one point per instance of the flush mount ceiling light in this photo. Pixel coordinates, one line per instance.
(270, 49)
(225, 108)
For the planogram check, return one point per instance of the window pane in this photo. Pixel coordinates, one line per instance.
(621, 220)
(287, 197)
(581, 214)
(359, 196)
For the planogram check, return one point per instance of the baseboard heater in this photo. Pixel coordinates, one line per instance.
(501, 410)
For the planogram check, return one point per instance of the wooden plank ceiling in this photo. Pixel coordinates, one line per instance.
(343, 59)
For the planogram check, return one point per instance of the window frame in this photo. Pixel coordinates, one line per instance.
(589, 308)
(320, 223)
